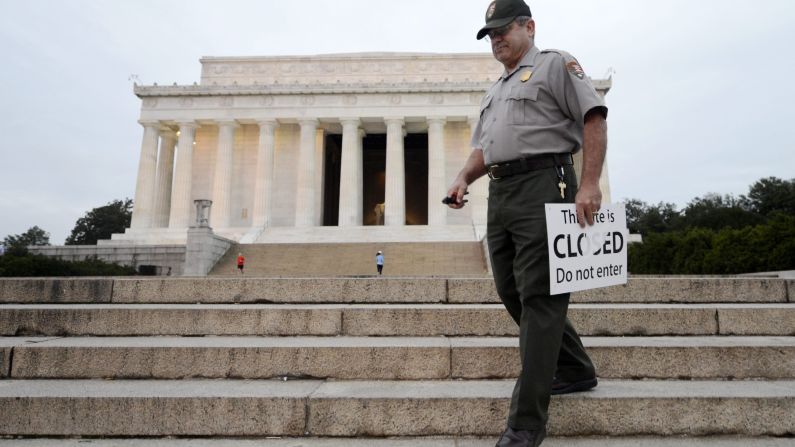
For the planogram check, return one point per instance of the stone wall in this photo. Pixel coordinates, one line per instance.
(203, 250)
(168, 259)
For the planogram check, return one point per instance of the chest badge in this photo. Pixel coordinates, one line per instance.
(526, 76)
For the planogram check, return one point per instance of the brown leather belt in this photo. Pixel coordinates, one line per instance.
(532, 163)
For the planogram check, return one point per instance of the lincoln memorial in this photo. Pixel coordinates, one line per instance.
(343, 148)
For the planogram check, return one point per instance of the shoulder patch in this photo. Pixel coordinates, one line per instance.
(575, 69)
(572, 66)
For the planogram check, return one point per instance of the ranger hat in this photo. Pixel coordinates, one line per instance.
(503, 12)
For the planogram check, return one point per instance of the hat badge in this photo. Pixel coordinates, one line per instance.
(490, 11)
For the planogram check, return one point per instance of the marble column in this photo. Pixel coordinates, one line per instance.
(305, 194)
(478, 191)
(263, 188)
(320, 174)
(395, 194)
(604, 183)
(181, 189)
(165, 176)
(437, 186)
(351, 175)
(360, 134)
(221, 212)
(144, 205)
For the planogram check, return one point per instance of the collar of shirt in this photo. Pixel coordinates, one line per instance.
(528, 60)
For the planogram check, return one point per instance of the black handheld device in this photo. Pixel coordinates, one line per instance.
(450, 200)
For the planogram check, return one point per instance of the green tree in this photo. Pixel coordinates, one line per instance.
(736, 250)
(645, 219)
(654, 255)
(770, 195)
(766, 247)
(692, 249)
(717, 234)
(17, 244)
(781, 250)
(716, 212)
(635, 209)
(101, 222)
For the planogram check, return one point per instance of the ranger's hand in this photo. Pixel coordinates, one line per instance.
(588, 201)
(457, 191)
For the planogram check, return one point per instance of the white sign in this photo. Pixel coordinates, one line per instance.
(590, 257)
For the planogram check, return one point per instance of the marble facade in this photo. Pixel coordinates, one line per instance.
(253, 135)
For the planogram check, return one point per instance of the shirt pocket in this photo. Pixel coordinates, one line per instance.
(522, 104)
(486, 112)
(484, 104)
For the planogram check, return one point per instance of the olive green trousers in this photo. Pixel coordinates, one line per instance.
(517, 237)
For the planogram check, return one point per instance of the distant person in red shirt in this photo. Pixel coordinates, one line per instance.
(241, 262)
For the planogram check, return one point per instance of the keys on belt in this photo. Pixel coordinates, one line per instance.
(561, 182)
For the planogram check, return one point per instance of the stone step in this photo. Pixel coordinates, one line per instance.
(374, 290)
(667, 441)
(384, 319)
(337, 259)
(651, 290)
(387, 358)
(232, 408)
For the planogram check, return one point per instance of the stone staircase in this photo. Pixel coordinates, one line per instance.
(383, 362)
(355, 259)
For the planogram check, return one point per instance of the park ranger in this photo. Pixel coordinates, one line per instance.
(536, 115)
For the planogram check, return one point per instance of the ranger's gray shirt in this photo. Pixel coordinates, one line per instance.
(539, 108)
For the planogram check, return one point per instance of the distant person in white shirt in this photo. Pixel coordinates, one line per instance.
(379, 262)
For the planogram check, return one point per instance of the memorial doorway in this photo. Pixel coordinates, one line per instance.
(374, 178)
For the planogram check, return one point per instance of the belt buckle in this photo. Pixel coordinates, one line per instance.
(491, 174)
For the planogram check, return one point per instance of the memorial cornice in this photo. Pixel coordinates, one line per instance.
(149, 91)
(339, 74)
(290, 88)
(145, 91)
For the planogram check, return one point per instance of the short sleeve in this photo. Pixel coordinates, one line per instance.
(475, 141)
(577, 94)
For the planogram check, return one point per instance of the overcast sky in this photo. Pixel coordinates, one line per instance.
(702, 97)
